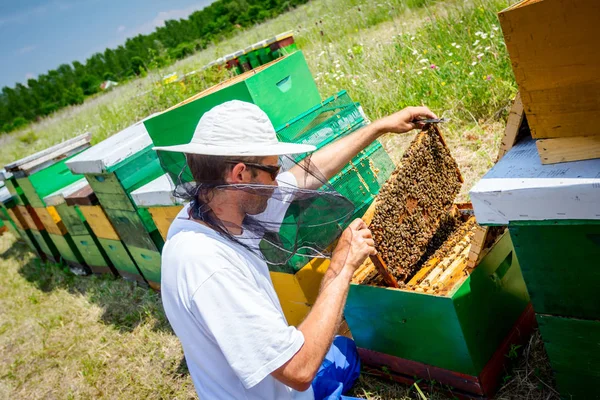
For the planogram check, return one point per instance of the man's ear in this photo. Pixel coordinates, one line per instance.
(238, 174)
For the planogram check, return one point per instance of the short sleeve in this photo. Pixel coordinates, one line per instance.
(248, 328)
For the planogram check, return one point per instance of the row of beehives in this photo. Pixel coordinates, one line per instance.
(107, 208)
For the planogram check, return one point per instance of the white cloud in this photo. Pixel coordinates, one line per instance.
(121, 28)
(26, 49)
(163, 16)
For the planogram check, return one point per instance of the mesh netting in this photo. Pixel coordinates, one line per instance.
(317, 217)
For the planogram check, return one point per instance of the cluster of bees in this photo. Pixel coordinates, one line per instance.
(413, 202)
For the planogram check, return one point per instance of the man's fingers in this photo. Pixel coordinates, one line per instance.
(370, 242)
(357, 224)
(420, 112)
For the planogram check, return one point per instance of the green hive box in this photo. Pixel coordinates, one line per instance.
(283, 89)
(114, 168)
(553, 215)
(74, 221)
(38, 175)
(452, 338)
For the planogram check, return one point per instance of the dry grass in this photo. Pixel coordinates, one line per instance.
(69, 337)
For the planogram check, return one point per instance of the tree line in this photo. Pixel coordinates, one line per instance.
(70, 84)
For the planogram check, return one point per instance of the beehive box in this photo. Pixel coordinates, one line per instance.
(450, 320)
(284, 81)
(114, 168)
(553, 215)
(7, 222)
(552, 46)
(74, 222)
(33, 178)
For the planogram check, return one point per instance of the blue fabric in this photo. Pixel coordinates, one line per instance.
(339, 371)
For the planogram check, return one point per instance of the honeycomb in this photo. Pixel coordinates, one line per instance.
(413, 203)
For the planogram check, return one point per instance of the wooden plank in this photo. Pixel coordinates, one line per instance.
(82, 197)
(99, 222)
(566, 149)
(556, 72)
(51, 220)
(572, 347)
(477, 245)
(389, 279)
(31, 218)
(513, 123)
(163, 217)
(51, 152)
(17, 218)
(111, 151)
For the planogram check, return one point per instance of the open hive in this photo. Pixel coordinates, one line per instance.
(425, 242)
(444, 300)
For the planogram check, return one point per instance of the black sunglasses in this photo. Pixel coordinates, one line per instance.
(271, 169)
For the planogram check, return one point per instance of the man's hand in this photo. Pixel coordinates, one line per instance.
(402, 121)
(354, 246)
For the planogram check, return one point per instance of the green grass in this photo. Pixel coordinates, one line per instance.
(63, 336)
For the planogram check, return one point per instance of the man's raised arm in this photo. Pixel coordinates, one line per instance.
(331, 159)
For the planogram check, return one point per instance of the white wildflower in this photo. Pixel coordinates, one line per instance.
(480, 55)
(349, 51)
(487, 48)
(374, 81)
(478, 33)
(412, 38)
(321, 53)
(484, 35)
(476, 42)
(474, 63)
(397, 71)
(471, 73)
(353, 82)
(450, 54)
(337, 78)
(458, 46)
(415, 52)
(495, 28)
(419, 73)
(453, 44)
(423, 61)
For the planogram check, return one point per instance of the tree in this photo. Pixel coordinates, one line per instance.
(137, 66)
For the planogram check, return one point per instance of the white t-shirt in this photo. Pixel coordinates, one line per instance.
(220, 301)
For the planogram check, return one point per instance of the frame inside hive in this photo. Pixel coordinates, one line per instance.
(426, 243)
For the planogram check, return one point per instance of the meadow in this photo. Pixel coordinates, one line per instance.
(70, 337)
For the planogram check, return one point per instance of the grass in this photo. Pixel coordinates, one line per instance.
(63, 336)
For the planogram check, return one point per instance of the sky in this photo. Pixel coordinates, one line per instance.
(39, 35)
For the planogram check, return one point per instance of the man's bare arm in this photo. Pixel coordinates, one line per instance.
(331, 159)
(321, 324)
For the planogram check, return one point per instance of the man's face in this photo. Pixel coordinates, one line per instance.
(256, 202)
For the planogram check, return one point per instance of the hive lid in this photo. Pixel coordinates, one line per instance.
(159, 192)
(45, 158)
(410, 205)
(111, 151)
(520, 188)
(59, 196)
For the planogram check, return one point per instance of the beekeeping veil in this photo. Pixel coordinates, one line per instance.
(286, 225)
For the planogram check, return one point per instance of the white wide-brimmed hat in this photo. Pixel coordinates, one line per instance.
(237, 128)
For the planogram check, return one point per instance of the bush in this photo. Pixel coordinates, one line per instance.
(138, 66)
(109, 76)
(19, 122)
(89, 84)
